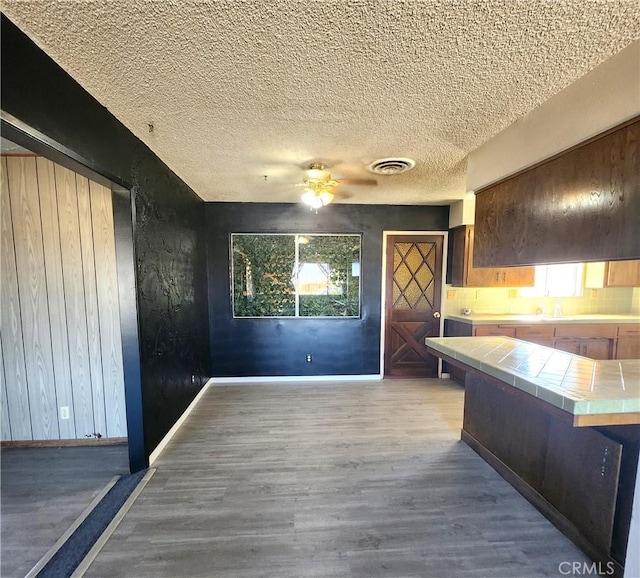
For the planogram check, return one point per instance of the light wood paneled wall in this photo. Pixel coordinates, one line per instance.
(60, 337)
(5, 424)
(15, 373)
(108, 311)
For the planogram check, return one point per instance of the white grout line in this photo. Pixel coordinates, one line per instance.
(71, 529)
(111, 528)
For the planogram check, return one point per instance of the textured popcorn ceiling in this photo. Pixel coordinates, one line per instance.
(239, 90)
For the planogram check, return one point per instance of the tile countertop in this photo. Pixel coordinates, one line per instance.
(578, 385)
(512, 319)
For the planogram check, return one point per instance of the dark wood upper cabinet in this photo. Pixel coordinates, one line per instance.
(581, 205)
(464, 274)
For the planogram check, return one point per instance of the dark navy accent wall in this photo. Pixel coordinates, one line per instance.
(277, 347)
(168, 229)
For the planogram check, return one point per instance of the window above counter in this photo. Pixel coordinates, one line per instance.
(564, 280)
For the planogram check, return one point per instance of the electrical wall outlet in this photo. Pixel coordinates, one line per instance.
(64, 412)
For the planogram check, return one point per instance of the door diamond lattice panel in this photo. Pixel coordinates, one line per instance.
(413, 277)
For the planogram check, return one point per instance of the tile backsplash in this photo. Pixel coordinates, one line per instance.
(612, 300)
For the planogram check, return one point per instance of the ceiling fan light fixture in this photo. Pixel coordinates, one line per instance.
(326, 197)
(317, 198)
(318, 186)
(317, 172)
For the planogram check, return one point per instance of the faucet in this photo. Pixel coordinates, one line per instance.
(557, 310)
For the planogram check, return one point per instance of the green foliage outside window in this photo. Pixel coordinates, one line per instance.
(262, 283)
(296, 275)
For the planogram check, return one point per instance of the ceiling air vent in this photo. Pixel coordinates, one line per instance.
(391, 166)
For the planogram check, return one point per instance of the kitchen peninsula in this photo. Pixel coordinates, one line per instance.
(597, 336)
(562, 429)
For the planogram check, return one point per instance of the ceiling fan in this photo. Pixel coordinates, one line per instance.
(319, 187)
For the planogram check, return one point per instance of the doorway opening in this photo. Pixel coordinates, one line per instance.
(72, 369)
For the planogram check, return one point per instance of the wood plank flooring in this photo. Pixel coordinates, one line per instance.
(360, 479)
(43, 491)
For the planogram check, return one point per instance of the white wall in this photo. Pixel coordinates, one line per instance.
(60, 343)
(602, 99)
(463, 212)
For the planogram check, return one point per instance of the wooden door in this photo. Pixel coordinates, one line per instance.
(412, 305)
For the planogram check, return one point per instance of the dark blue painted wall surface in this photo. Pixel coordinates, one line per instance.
(277, 347)
(168, 235)
(171, 235)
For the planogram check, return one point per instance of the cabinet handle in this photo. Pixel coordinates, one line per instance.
(504, 277)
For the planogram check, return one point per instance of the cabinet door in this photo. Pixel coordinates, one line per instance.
(456, 261)
(496, 277)
(581, 476)
(519, 276)
(482, 277)
(612, 274)
(623, 274)
(628, 348)
(591, 348)
(569, 345)
(464, 274)
(597, 348)
(476, 277)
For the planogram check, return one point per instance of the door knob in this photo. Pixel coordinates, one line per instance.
(437, 314)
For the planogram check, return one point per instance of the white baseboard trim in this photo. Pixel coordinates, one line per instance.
(291, 378)
(176, 426)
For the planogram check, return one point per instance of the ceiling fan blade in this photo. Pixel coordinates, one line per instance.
(364, 182)
(342, 194)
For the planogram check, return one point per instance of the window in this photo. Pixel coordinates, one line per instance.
(286, 275)
(564, 280)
